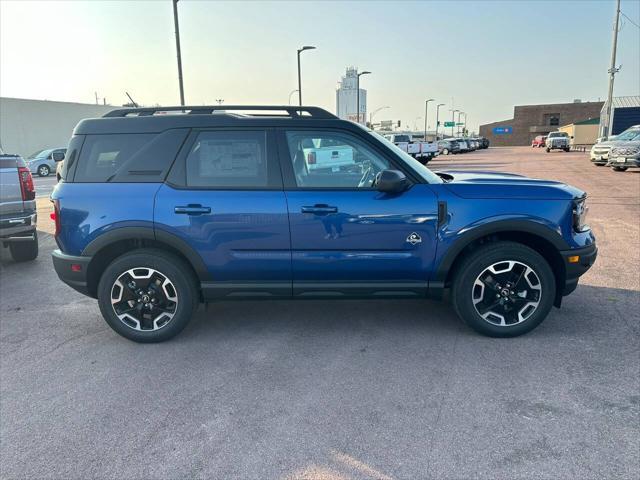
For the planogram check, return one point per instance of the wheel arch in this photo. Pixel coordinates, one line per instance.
(536, 236)
(108, 246)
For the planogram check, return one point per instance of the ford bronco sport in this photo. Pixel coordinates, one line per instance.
(160, 209)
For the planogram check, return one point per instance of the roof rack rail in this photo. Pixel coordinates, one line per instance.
(291, 111)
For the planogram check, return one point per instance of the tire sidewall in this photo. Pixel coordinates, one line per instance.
(168, 265)
(462, 296)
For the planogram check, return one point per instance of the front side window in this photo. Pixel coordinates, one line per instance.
(333, 160)
(228, 159)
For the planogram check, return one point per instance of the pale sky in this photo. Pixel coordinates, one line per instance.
(488, 55)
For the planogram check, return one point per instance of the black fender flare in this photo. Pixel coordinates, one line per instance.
(508, 225)
(149, 233)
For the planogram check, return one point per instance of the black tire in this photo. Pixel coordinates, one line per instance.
(599, 164)
(171, 267)
(445, 151)
(619, 169)
(567, 150)
(24, 251)
(548, 150)
(477, 262)
(43, 171)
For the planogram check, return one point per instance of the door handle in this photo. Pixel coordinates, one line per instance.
(320, 209)
(192, 209)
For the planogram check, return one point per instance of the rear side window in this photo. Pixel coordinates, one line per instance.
(122, 158)
(228, 159)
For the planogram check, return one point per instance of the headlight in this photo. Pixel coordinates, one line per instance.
(580, 211)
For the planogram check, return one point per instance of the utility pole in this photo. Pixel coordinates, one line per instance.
(426, 109)
(177, 29)
(453, 120)
(606, 130)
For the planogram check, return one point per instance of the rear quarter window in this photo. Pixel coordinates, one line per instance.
(127, 158)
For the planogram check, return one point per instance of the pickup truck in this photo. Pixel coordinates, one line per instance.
(327, 154)
(17, 208)
(422, 151)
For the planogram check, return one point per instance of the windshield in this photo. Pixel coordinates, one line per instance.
(415, 165)
(36, 154)
(629, 135)
(558, 134)
(402, 138)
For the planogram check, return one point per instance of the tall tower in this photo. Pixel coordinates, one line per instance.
(346, 97)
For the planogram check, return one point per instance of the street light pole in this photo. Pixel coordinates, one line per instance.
(426, 108)
(612, 72)
(438, 118)
(292, 92)
(177, 29)
(374, 112)
(458, 126)
(358, 93)
(300, 50)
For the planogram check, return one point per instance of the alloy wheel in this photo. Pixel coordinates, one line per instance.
(506, 293)
(144, 299)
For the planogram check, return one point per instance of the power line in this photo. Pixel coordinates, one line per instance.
(628, 18)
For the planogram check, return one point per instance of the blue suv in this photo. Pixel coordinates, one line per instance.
(160, 209)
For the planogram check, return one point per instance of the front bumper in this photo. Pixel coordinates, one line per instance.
(72, 270)
(575, 269)
(628, 162)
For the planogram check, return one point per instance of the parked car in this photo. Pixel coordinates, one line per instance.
(557, 141)
(422, 151)
(224, 207)
(600, 151)
(18, 217)
(539, 141)
(484, 142)
(447, 146)
(624, 156)
(462, 144)
(42, 162)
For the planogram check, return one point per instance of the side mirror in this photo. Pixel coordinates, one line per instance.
(58, 156)
(391, 181)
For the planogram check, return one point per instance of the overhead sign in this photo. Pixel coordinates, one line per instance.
(502, 130)
(459, 124)
(449, 124)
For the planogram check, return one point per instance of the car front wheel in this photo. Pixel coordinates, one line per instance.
(445, 151)
(504, 289)
(619, 169)
(147, 295)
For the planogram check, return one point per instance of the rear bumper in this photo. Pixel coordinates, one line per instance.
(574, 270)
(18, 228)
(72, 270)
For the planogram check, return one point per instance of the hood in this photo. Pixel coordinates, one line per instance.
(472, 184)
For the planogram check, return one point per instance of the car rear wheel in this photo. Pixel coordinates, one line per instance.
(548, 150)
(619, 169)
(148, 295)
(24, 251)
(44, 170)
(503, 289)
(445, 151)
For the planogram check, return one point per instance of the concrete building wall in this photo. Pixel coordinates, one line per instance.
(531, 120)
(30, 125)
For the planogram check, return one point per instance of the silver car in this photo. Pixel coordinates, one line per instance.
(42, 162)
(600, 151)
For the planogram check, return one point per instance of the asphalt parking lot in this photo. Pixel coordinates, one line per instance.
(349, 389)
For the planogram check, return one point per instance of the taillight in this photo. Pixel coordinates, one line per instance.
(55, 215)
(26, 184)
(311, 158)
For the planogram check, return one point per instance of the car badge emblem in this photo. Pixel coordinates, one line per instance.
(414, 238)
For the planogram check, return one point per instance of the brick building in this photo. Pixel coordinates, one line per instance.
(531, 120)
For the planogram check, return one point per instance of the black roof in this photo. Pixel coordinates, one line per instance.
(158, 119)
